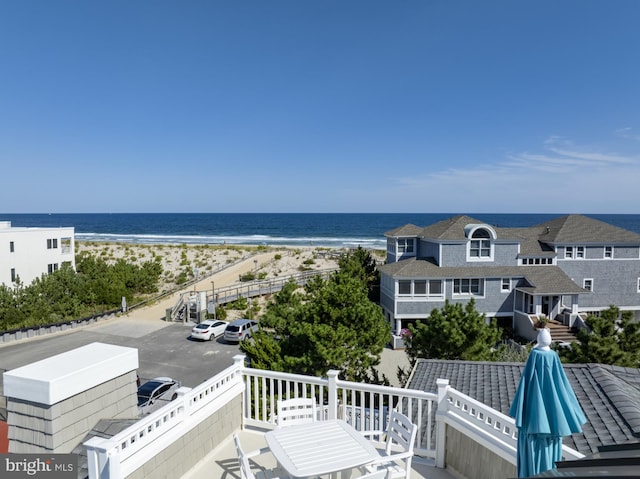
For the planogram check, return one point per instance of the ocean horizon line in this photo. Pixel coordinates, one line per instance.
(288, 229)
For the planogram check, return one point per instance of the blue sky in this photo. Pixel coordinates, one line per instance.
(320, 106)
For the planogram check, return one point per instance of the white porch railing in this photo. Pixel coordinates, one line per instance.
(485, 425)
(364, 406)
(120, 455)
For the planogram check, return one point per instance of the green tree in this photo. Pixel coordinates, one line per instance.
(330, 325)
(66, 294)
(613, 337)
(360, 264)
(454, 332)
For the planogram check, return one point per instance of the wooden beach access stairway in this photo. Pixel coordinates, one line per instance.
(182, 311)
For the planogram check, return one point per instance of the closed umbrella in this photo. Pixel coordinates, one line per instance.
(545, 409)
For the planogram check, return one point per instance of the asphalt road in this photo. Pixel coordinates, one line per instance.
(164, 349)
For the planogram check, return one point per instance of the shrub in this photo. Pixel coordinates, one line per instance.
(250, 276)
(240, 303)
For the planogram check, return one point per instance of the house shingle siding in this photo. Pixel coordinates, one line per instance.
(535, 259)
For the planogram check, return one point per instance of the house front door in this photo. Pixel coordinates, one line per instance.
(546, 305)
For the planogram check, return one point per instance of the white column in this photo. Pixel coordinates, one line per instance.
(441, 427)
(332, 376)
(103, 459)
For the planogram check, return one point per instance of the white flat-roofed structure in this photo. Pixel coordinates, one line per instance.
(59, 377)
(53, 403)
(27, 253)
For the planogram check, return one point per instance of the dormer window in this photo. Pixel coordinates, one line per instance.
(405, 245)
(480, 244)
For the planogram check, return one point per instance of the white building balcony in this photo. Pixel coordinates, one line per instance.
(191, 437)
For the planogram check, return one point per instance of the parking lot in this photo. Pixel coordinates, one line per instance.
(164, 349)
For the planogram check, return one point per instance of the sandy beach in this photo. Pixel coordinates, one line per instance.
(270, 262)
(181, 263)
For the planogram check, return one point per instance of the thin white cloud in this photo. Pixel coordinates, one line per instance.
(563, 177)
(628, 134)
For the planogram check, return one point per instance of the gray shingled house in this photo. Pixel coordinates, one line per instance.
(608, 395)
(563, 269)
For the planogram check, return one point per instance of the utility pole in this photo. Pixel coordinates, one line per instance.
(213, 298)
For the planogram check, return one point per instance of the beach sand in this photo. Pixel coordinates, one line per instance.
(272, 262)
(185, 260)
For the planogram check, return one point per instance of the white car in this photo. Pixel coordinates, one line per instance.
(209, 329)
(156, 393)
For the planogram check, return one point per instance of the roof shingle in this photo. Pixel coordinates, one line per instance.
(608, 395)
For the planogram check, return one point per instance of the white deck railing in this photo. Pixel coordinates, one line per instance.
(120, 455)
(364, 406)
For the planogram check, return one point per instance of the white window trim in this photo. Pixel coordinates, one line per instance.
(439, 295)
(428, 295)
(574, 252)
(638, 285)
(406, 241)
(502, 284)
(480, 258)
(604, 252)
(405, 295)
(584, 283)
(469, 294)
(470, 231)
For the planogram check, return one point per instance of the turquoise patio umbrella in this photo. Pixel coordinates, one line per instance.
(545, 409)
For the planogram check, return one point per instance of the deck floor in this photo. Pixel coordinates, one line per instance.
(222, 462)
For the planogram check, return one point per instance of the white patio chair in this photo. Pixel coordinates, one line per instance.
(245, 467)
(296, 411)
(400, 436)
(379, 474)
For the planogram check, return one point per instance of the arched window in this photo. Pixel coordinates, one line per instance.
(480, 245)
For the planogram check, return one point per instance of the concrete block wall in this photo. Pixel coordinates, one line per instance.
(183, 454)
(60, 427)
(470, 460)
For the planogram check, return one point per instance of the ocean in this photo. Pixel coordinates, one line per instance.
(291, 229)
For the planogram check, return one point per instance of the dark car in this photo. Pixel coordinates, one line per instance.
(239, 330)
(156, 393)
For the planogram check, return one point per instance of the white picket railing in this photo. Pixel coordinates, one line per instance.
(364, 406)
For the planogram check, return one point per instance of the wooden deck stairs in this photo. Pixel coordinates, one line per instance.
(560, 332)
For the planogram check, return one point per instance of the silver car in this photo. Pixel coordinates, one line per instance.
(239, 330)
(156, 393)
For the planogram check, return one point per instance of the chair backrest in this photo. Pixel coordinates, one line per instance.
(243, 460)
(296, 411)
(401, 433)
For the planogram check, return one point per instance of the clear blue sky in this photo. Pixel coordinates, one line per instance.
(320, 106)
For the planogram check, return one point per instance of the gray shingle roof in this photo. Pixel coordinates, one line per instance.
(406, 230)
(608, 395)
(572, 229)
(569, 229)
(450, 229)
(540, 279)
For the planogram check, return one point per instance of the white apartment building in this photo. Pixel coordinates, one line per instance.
(27, 253)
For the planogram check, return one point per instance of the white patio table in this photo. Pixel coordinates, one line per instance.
(318, 448)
